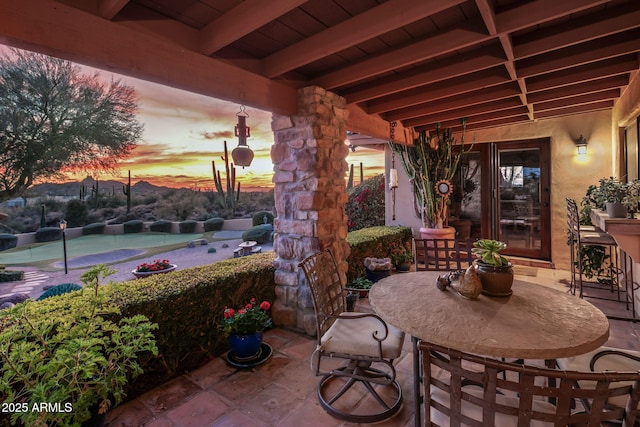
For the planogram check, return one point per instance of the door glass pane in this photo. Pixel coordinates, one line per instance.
(519, 198)
(465, 199)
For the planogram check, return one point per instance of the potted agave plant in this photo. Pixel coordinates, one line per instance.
(495, 270)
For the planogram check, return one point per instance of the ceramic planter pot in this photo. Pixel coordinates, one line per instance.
(245, 346)
(496, 281)
(375, 275)
(403, 266)
(616, 210)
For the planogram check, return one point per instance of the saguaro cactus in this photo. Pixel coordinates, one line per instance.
(350, 182)
(228, 200)
(126, 189)
(94, 192)
(83, 192)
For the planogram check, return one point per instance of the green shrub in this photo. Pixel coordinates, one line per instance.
(76, 213)
(48, 234)
(162, 226)
(11, 275)
(8, 241)
(95, 228)
(61, 289)
(213, 224)
(259, 233)
(258, 218)
(365, 206)
(188, 226)
(196, 296)
(133, 226)
(373, 242)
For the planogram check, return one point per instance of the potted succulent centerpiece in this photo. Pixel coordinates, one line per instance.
(244, 327)
(65, 360)
(613, 192)
(495, 270)
(431, 163)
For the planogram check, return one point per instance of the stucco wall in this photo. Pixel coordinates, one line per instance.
(570, 174)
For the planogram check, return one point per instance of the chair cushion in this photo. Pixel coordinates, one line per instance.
(610, 362)
(355, 336)
(472, 411)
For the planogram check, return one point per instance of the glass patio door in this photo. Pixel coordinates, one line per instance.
(502, 191)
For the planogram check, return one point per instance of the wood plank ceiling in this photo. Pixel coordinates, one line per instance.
(420, 62)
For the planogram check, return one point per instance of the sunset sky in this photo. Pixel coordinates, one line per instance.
(184, 131)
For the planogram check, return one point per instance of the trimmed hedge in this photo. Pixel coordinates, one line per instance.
(133, 226)
(259, 233)
(162, 226)
(258, 218)
(8, 241)
(188, 306)
(95, 228)
(188, 226)
(372, 242)
(11, 275)
(48, 234)
(213, 224)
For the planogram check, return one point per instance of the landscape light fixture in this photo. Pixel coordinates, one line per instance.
(63, 227)
(581, 144)
(242, 155)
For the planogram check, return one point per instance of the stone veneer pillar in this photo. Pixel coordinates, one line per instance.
(309, 175)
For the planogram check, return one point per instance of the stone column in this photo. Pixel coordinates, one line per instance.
(309, 175)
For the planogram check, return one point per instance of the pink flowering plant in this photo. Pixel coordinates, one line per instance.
(249, 319)
(156, 265)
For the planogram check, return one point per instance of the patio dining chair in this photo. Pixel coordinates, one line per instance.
(363, 342)
(465, 389)
(442, 254)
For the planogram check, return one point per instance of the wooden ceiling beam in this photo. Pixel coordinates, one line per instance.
(503, 106)
(576, 109)
(588, 28)
(507, 90)
(90, 40)
(539, 11)
(373, 22)
(462, 84)
(579, 88)
(444, 69)
(246, 17)
(621, 65)
(438, 44)
(518, 114)
(110, 8)
(588, 98)
(584, 53)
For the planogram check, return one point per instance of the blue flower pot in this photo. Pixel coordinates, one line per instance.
(245, 347)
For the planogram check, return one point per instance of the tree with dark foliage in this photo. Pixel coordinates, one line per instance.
(54, 119)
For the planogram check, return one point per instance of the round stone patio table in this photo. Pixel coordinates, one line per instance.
(536, 322)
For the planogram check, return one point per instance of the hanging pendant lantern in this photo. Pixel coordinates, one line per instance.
(242, 155)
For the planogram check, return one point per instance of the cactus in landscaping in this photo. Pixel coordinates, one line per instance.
(350, 182)
(83, 192)
(126, 189)
(94, 192)
(228, 200)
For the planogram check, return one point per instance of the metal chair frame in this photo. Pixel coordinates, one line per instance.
(442, 254)
(328, 296)
(479, 395)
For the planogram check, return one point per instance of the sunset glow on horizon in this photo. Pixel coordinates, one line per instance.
(184, 132)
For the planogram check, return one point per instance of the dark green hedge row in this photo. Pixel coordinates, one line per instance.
(188, 306)
(95, 228)
(213, 224)
(11, 275)
(372, 242)
(133, 226)
(8, 241)
(162, 226)
(188, 226)
(48, 234)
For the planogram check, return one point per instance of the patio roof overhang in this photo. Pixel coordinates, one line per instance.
(495, 62)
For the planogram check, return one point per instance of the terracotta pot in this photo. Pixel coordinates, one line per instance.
(496, 281)
(438, 233)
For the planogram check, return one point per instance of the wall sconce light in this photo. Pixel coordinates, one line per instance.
(581, 144)
(242, 155)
